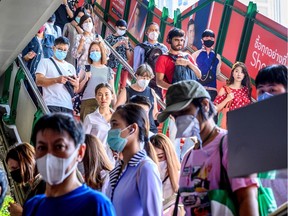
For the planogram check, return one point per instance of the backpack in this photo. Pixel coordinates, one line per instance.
(181, 72)
(152, 53)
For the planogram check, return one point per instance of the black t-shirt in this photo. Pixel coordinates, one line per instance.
(62, 16)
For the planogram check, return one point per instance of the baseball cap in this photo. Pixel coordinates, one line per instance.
(180, 95)
(208, 33)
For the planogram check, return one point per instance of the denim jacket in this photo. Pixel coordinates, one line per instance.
(47, 44)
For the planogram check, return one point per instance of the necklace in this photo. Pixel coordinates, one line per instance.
(209, 135)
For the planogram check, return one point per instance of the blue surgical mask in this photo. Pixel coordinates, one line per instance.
(188, 126)
(264, 96)
(95, 56)
(77, 19)
(60, 55)
(115, 141)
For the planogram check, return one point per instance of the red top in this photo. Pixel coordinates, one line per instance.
(241, 98)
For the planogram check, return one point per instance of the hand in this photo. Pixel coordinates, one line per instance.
(62, 79)
(64, 2)
(182, 61)
(83, 38)
(74, 80)
(15, 209)
(30, 55)
(88, 75)
(230, 96)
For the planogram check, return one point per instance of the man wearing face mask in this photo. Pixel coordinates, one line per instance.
(209, 63)
(190, 104)
(52, 75)
(59, 142)
(121, 44)
(51, 28)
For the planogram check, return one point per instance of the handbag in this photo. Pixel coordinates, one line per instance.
(209, 77)
(266, 200)
(68, 85)
(222, 115)
(222, 199)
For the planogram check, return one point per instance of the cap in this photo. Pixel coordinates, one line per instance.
(121, 23)
(208, 33)
(180, 95)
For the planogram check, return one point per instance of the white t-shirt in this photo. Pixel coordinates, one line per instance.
(56, 94)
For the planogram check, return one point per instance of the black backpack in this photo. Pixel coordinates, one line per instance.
(152, 53)
(181, 72)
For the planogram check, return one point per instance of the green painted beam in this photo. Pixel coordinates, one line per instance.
(117, 79)
(7, 78)
(10, 119)
(150, 9)
(163, 23)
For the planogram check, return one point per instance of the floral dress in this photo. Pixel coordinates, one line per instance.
(241, 98)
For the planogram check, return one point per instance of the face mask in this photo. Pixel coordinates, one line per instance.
(87, 26)
(52, 168)
(188, 126)
(77, 19)
(120, 32)
(50, 24)
(95, 56)
(264, 96)
(163, 169)
(143, 83)
(16, 175)
(60, 55)
(208, 43)
(153, 36)
(115, 141)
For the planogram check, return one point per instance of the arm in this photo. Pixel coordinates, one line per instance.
(68, 10)
(195, 69)
(75, 82)
(84, 78)
(247, 201)
(121, 98)
(138, 57)
(43, 81)
(78, 46)
(114, 100)
(228, 98)
(160, 81)
(218, 70)
(128, 49)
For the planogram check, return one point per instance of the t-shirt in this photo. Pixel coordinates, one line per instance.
(166, 66)
(81, 201)
(98, 75)
(200, 173)
(56, 94)
(240, 99)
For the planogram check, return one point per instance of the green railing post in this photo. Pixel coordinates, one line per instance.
(224, 24)
(164, 17)
(149, 19)
(126, 10)
(118, 76)
(177, 18)
(247, 32)
(165, 126)
(10, 119)
(5, 93)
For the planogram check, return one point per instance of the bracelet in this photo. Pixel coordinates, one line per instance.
(127, 48)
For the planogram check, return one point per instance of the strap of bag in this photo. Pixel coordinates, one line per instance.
(210, 69)
(175, 211)
(56, 66)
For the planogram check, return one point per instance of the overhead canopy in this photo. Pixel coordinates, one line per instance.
(19, 22)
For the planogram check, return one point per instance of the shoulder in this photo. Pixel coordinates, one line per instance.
(147, 165)
(222, 91)
(195, 54)
(33, 201)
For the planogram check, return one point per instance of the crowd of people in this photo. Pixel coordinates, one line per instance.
(114, 160)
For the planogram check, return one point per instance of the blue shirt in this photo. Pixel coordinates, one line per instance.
(139, 54)
(81, 201)
(204, 62)
(138, 189)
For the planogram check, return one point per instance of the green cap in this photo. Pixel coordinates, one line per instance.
(180, 95)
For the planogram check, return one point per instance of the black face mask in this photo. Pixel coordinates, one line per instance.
(208, 43)
(16, 175)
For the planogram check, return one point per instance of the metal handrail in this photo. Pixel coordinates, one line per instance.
(121, 60)
(34, 87)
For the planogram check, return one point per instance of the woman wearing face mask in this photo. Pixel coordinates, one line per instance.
(95, 72)
(169, 167)
(70, 31)
(143, 75)
(237, 92)
(135, 185)
(22, 166)
(121, 44)
(83, 41)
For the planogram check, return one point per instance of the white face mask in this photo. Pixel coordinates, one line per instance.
(120, 32)
(143, 83)
(52, 168)
(163, 169)
(87, 26)
(153, 36)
